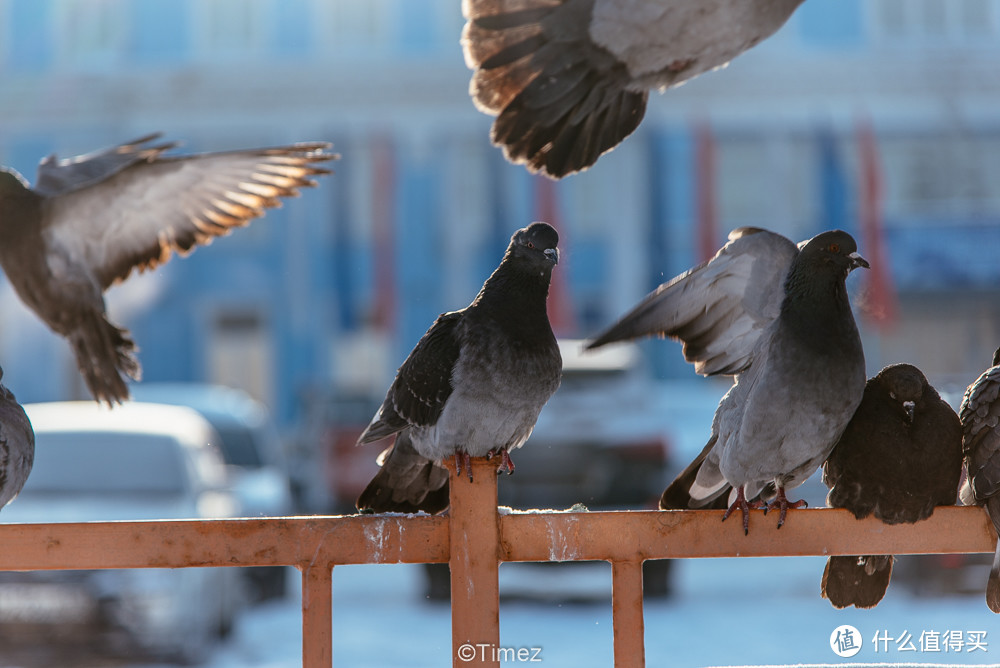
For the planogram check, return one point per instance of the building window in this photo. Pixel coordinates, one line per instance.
(357, 27)
(230, 27)
(952, 176)
(749, 170)
(948, 21)
(91, 33)
(240, 352)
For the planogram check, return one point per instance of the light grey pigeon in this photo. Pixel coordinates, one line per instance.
(17, 446)
(980, 415)
(777, 317)
(90, 220)
(568, 80)
(898, 459)
(474, 384)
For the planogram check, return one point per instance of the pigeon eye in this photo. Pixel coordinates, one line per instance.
(531, 245)
(834, 248)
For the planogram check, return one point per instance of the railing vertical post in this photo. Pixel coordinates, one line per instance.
(626, 608)
(317, 616)
(475, 563)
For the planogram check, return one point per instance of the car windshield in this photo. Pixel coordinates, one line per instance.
(105, 463)
(238, 446)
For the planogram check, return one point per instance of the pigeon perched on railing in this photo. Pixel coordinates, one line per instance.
(899, 457)
(568, 80)
(776, 317)
(90, 220)
(474, 384)
(980, 414)
(17, 446)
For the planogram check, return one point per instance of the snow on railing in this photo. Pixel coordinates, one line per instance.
(474, 538)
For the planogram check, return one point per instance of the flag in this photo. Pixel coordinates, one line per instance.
(560, 304)
(879, 301)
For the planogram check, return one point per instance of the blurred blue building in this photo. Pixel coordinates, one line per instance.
(326, 295)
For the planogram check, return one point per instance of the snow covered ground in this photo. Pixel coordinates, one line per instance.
(724, 612)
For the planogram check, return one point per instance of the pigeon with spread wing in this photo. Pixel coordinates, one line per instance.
(568, 80)
(89, 221)
(777, 317)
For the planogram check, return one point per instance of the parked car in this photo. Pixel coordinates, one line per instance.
(135, 462)
(253, 451)
(610, 438)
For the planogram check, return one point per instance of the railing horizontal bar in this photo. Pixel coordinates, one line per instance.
(535, 536)
(294, 541)
(631, 535)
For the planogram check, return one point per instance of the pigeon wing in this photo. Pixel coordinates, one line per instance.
(423, 383)
(718, 309)
(17, 447)
(980, 415)
(60, 176)
(560, 99)
(148, 209)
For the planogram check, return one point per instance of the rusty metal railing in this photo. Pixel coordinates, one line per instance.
(474, 539)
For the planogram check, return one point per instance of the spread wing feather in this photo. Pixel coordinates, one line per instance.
(148, 207)
(718, 309)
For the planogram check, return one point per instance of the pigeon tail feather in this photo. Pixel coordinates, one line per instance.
(406, 483)
(105, 355)
(858, 581)
(678, 494)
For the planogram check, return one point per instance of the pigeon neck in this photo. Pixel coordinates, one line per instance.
(516, 293)
(817, 301)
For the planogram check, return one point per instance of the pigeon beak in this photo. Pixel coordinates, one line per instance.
(909, 407)
(552, 254)
(858, 261)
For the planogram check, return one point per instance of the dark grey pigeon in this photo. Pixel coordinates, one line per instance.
(17, 446)
(568, 80)
(474, 384)
(899, 458)
(776, 317)
(90, 220)
(980, 414)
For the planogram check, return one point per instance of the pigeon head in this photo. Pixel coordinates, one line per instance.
(904, 383)
(834, 248)
(535, 244)
(996, 357)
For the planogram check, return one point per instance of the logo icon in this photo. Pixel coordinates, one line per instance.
(845, 641)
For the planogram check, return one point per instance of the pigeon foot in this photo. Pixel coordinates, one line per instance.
(506, 463)
(782, 503)
(744, 507)
(461, 458)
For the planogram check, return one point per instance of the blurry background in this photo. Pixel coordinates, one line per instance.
(881, 117)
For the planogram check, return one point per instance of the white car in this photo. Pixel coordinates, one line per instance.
(134, 462)
(253, 453)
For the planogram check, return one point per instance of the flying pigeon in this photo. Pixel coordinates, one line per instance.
(980, 414)
(568, 80)
(899, 457)
(90, 220)
(474, 384)
(776, 316)
(17, 446)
